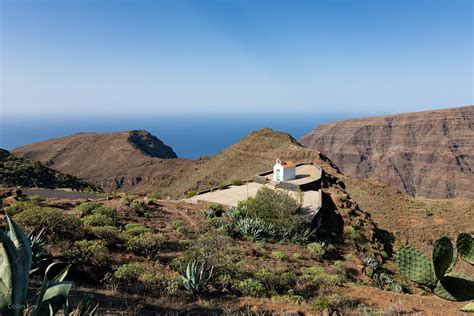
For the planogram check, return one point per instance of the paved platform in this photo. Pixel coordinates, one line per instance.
(304, 174)
(234, 194)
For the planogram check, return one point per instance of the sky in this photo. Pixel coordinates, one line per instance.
(89, 58)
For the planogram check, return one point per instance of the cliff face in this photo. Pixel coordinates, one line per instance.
(424, 154)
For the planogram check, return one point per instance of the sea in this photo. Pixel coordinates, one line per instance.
(189, 136)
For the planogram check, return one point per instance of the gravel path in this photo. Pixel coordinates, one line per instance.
(60, 194)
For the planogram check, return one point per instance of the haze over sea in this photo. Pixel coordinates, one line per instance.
(189, 136)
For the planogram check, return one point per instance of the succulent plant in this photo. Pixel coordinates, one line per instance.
(196, 277)
(435, 273)
(15, 265)
(37, 242)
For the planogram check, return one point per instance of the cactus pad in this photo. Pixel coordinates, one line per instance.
(465, 246)
(415, 266)
(442, 256)
(455, 288)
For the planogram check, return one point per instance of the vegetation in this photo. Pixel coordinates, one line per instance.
(435, 273)
(56, 223)
(16, 261)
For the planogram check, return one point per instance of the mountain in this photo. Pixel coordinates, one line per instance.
(126, 162)
(423, 154)
(26, 173)
(121, 160)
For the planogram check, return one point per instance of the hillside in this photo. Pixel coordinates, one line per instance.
(113, 162)
(423, 154)
(25, 173)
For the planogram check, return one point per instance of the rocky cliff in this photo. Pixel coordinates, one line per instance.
(423, 154)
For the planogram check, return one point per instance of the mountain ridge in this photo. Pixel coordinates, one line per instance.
(422, 153)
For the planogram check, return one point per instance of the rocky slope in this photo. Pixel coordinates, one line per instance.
(25, 173)
(116, 162)
(423, 154)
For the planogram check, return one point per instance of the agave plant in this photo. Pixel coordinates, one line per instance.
(37, 242)
(435, 273)
(196, 277)
(15, 265)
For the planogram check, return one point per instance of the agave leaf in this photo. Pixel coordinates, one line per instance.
(469, 308)
(22, 243)
(61, 275)
(415, 266)
(54, 297)
(455, 288)
(465, 247)
(442, 256)
(11, 275)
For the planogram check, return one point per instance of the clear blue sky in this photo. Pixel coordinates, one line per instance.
(87, 57)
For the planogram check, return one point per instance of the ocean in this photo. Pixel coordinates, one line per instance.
(190, 137)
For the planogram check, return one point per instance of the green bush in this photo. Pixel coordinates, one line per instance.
(127, 199)
(251, 287)
(316, 250)
(276, 280)
(148, 244)
(236, 182)
(190, 194)
(133, 229)
(86, 208)
(223, 186)
(275, 207)
(280, 255)
(107, 211)
(316, 276)
(110, 234)
(18, 207)
(98, 220)
(57, 224)
(130, 272)
(35, 199)
(93, 251)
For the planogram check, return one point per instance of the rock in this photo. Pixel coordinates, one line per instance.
(423, 154)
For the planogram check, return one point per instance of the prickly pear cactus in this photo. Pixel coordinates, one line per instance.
(442, 256)
(455, 288)
(415, 266)
(465, 247)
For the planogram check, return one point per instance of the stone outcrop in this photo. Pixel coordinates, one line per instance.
(427, 154)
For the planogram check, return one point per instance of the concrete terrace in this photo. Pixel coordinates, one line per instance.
(232, 195)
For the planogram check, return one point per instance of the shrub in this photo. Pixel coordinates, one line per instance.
(110, 234)
(316, 250)
(35, 199)
(127, 199)
(275, 207)
(179, 226)
(216, 207)
(280, 255)
(107, 211)
(133, 229)
(98, 220)
(223, 186)
(56, 223)
(18, 207)
(86, 208)
(148, 244)
(317, 277)
(190, 194)
(236, 182)
(139, 206)
(154, 195)
(213, 249)
(130, 272)
(276, 280)
(251, 287)
(93, 251)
